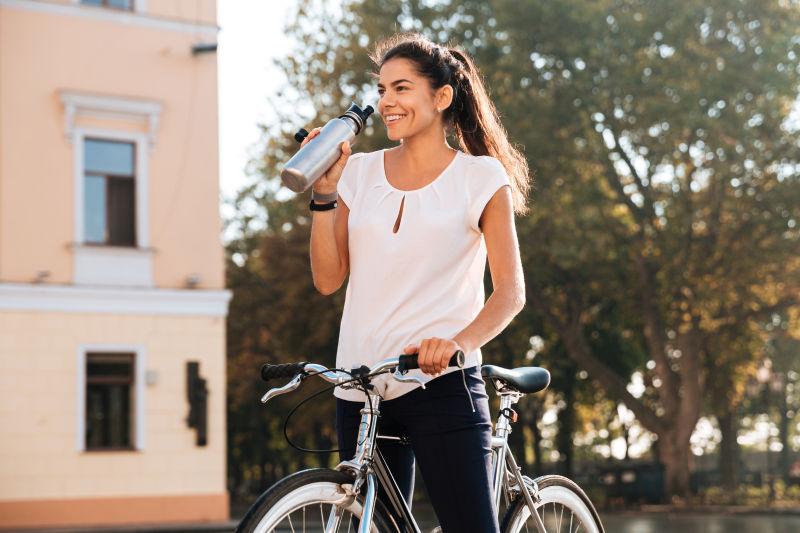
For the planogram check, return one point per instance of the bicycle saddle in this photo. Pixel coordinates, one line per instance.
(525, 379)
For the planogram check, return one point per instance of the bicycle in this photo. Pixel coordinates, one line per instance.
(322, 499)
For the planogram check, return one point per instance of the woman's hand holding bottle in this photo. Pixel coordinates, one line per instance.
(326, 184)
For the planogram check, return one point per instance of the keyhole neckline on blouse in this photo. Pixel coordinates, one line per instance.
(411, 191)
(399, 215)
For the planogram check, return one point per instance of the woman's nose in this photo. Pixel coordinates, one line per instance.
(385, 104)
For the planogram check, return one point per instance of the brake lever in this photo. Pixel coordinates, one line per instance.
(289, 387)
(403, 378)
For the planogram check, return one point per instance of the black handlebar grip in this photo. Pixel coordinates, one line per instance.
(409, 362)
(288, 370)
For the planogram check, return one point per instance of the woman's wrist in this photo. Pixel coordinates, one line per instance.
(323, 198)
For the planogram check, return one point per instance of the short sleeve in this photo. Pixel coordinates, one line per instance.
(487, 176)
(348, 183)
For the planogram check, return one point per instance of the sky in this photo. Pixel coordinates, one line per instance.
(249, 39)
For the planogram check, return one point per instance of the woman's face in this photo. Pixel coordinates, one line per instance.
(407, 102)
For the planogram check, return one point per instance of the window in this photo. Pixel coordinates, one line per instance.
(109, 401)
(126, 5)
(109, 192)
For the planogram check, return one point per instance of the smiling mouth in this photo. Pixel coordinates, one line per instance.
(393, 119)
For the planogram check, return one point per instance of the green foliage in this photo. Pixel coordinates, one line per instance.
(663, 231)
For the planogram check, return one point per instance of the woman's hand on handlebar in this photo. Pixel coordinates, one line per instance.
(326, 184)
(434, 354)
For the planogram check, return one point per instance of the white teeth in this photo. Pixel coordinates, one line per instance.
(392, 118)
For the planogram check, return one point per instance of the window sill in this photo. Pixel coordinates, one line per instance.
(114, 266)
(112, 248)
(97, 451)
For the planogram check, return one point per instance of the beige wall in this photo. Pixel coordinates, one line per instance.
(53, 48)
(190, 10)
(39, 379)
(43, 52)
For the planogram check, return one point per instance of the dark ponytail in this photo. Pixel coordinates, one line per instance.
(471, 115)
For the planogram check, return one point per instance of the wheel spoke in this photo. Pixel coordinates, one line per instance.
(334, 519)
(290, 522)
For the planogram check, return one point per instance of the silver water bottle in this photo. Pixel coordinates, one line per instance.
(315, 158)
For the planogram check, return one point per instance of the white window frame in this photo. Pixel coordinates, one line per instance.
(141, 180)
(139, 6)
(139, 362)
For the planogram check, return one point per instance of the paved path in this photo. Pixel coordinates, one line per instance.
(614, 523)
(691, 523)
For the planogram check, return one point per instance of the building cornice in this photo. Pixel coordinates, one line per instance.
(117, 301)
(113, 15)
(78, 103)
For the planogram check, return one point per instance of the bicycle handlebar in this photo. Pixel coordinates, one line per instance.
(290, 370)
(403, 363)
(409, 362)
(299, 371)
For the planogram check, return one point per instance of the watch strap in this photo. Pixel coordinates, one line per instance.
(322, 207)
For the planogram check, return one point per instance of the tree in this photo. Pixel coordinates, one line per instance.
(686, 214)
(667, 195)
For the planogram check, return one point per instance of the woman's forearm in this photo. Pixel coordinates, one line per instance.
(497, 313)
(326, 262)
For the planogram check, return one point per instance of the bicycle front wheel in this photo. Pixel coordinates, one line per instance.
(563, 506)
(312, 500)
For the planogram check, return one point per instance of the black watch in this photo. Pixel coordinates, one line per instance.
(322, 207)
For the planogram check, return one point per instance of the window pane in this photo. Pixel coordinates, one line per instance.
(108, 157)
(109, 365)
(94, 209)
(108, 416)
(109, 380)
(121, 4)
(121, 212)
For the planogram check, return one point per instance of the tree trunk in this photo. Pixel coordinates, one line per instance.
(783, 428)
(537, 436)
(674, 455)
(566, 425)
(729, 452)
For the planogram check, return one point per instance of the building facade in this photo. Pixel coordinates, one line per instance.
(112, 299)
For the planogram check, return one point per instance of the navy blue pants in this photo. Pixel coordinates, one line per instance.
(451, 442)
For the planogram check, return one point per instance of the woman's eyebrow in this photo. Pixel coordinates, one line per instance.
(396, 82)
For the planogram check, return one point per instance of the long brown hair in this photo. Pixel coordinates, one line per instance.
(472, 115)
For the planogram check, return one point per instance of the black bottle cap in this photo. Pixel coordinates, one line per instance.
(300, 135)
(360, 116)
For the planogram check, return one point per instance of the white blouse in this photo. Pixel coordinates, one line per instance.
(425, 280)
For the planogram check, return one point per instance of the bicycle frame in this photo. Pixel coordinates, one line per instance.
(369, 467)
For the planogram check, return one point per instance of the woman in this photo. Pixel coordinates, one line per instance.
(413, 226)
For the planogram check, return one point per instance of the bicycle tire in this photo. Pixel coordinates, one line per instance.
(555, 490)
(316, 487)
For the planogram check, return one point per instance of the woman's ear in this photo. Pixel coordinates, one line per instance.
(444, 97)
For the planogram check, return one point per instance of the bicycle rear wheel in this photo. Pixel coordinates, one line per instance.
(563, 507)
(309, 501)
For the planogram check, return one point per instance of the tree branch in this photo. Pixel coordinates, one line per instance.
(578, 350)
